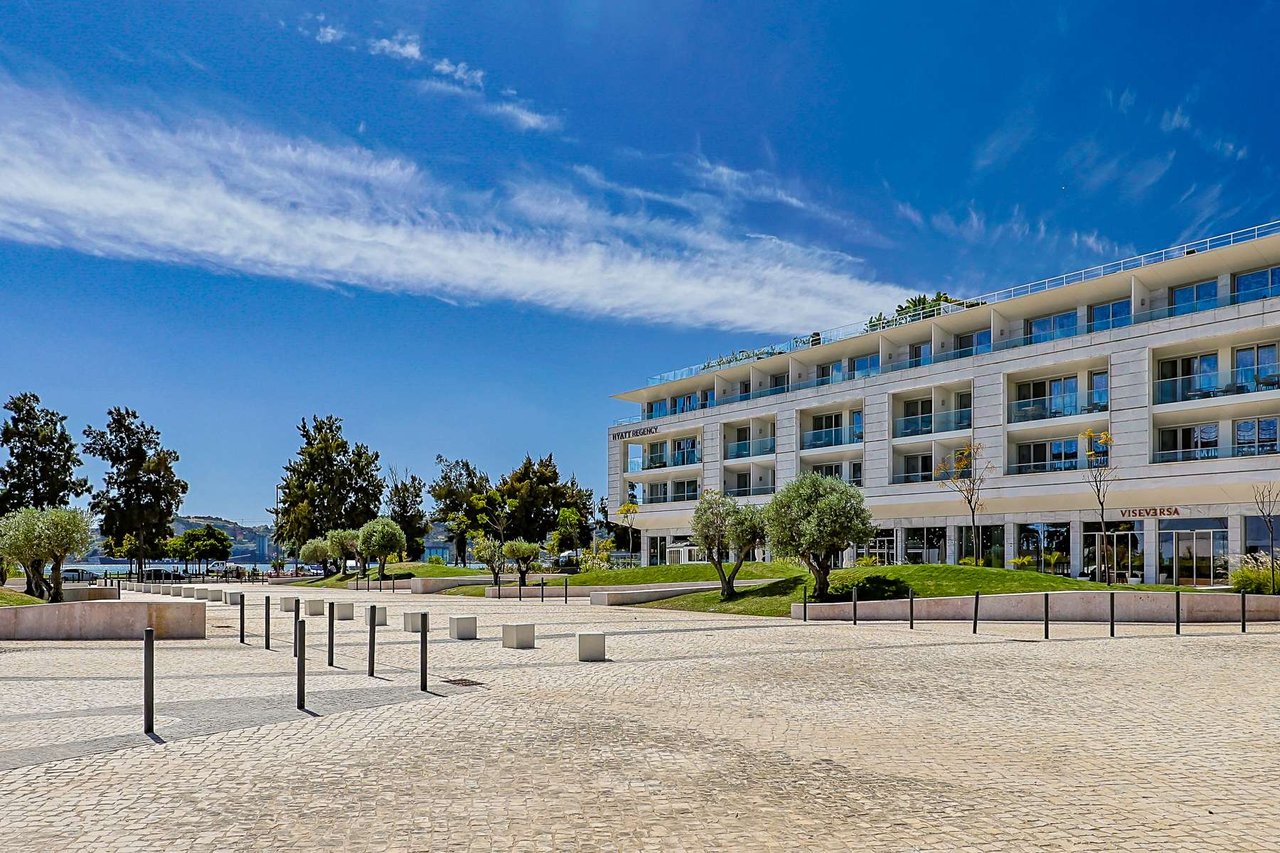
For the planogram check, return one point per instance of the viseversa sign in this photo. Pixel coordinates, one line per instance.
(633, 433)
(1151, 512)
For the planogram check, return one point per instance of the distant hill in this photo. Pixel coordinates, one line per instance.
(248, 544)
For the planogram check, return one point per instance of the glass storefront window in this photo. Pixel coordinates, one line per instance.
(1116, 557)
(1257, 539)
(882, 548)
(1045, 547)
(925, 545)
(990, 543)
(657, 551)
(1193, 552)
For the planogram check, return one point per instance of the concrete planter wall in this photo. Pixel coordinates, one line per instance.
(103, 620)
(1065, 606)
(90, 593)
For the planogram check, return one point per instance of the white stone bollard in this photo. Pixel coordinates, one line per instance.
(462, 627)
(188, 592)
(202, 593)
(288, 603)
(413, 622)
(176, 591)
(379, 615)
(234, 596)
(164, 589)
(313, 607)
(216, 594)
(517, 636)
(344, 611)
(591, 646)
(146, 587)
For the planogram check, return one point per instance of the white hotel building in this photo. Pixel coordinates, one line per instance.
(1174, 353)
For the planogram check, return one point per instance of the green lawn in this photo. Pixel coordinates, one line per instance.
(9, 598)
(649, 574)
(394, 572)
(928, 581)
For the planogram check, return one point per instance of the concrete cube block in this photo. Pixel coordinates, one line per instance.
(517, 636)
(202, 593)
(164, 588)
(216, 594)
(344, 611)
(146, 587)
(234, 596)
(176, 591)
(462, 627)
(379, 615)
(288, 603)
(413, 622)
(188, 592)
(313, 607)
(591, 645)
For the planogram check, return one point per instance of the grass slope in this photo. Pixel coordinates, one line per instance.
(394, 572)
(9, 598)
(929, 581)
(652, 574)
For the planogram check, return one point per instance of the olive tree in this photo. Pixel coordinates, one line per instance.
(813, 518)
(62, 533)
(20, 542)
(379, 539)
(489, 552)
(316, 551)
(343, 543)
(720, 526)
(523, 553)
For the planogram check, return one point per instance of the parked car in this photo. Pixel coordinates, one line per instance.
(78, 575)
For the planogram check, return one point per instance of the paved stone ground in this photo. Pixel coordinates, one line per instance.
(703, 732)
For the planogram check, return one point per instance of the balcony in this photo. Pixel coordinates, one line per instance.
(835, 437)
(753, 395)
(1196, 454)
(917, 425)
(1057, 406)
(655, 461)
(1051, 466)
(918, 477)
(908, 363)
(747, 449)
(748, 491)
(1246, 380)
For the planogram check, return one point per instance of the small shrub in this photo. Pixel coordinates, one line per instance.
(866, 561)
(967, 561)
(435, 560)
(1252, 573)
(871, 588)
(1024, 562)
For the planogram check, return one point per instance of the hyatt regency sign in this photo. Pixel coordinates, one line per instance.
(633, 433)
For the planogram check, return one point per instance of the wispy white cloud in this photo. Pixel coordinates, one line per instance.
(1176, 119)
(447, 90)
(1146, 173)
(974, 227)
(909, 213)
(1121, 102)
(1007, 140)
(402, 45)
(521, 117)
(461, 72)
(233, 198)
(329, 35)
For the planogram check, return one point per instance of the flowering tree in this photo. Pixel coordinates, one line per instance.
(1099, 474)
(961, 473)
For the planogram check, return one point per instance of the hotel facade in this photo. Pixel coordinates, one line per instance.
(1172, 353)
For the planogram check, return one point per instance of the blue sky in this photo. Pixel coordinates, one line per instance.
(462, 227)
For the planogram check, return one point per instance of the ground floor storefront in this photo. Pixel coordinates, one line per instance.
(1184, 545)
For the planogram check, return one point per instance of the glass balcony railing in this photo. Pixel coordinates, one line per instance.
(746, 449)
(1045, 467)
(1057, 406)
(834, 437)
(917, 477)
(665, 460)
(748, 491)
(1194, 454)
(977, 349)
(1039, 337)
(907, 363)
(916, 425)
(1203, 386)
(645, 498)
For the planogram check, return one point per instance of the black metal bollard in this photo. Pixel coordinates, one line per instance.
(499, 589)
(805, 606)
(266, 629)
(148, 680)
(1046, 615)
(1113, 613)
(373, 635)
(543, 591)
(422, 653)
(1177, 611)
(302, 663)
(566, 590)
(976, 596)
(911, 609)
(520, 589)
(297, 614)
(1243, 614)
(332, 606)
(242, 618)
(854, 596)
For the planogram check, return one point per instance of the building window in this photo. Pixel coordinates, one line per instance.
(1254, 436)
(1254, 285)
(1193, 551)
(1045, 398)
(656, 455)
(1180, 444)
(882, 548)
(655, 493)
(829, 373)
(1190, 298)
(864, 365)
(973, 343)
(1099, 391)
(744, 388)
(917, 468)
(922, 545)
(1255, 367)
(990, 544)
(685, 490)
(855, 425)
(855, 474)
(832, 470)
(1046, 547)
(1115, 557)
(1257, 538)
(655, 409)
(917, 417)
(1109, 315)
(920, 354)
(1192, 377)
(778, 382)
(657, 551)
(827, 422)
(1059, 454)
(1051, 327)
(684, 450)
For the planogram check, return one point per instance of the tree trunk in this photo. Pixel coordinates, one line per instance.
(821, 579)
(382, 568)
(726, 583)
(55, 588)
(495, 571)
(522, 571)
(973, 533)
(1271, 552)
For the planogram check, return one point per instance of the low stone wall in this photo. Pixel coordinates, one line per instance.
(287, 579)
(430, 585)
(1064, 606)
(385, 586)
(639, 594)
(103, 620)
(90, 593)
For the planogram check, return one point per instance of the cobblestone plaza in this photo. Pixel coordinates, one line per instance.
(702, 732)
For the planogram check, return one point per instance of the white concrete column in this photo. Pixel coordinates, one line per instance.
(953, 544)
(1150, 550)
(1235, 534)
(1010, 541)
(899, 545)
(1077, 548)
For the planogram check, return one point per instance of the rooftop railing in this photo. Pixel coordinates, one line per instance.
(803, 342)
